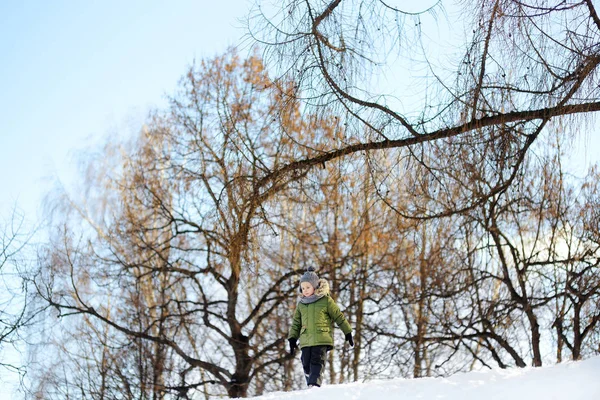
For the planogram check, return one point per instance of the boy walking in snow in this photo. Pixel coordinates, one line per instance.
(312, 324)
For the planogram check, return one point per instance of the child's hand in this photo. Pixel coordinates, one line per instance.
(349, 339)
(293, 345)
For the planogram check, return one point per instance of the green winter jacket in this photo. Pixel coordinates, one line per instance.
(312, 322)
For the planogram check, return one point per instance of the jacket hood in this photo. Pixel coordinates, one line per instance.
(323, 288)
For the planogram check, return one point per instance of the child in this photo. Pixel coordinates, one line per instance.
(312, 324)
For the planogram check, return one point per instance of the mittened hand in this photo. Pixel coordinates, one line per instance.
(293, 345)
(349, 339)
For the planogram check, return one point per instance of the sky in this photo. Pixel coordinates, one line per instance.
(73, 72)
(571, 380)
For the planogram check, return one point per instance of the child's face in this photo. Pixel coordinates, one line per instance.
(307, 289)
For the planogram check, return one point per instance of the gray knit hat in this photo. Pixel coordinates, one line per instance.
(310, 277)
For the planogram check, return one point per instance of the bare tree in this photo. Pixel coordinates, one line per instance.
(577, 262)
(492, 285)
(170, 251)
(16, 313)
(404, 75)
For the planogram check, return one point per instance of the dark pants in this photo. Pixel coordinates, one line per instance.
(313, 363)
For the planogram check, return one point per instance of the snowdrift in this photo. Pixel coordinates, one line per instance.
(569, 380)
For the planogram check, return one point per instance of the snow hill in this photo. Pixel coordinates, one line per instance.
(568, 381)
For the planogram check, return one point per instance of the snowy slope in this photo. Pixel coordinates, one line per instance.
(569, 381)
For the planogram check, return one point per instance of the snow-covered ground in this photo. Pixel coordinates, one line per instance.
(567, 381)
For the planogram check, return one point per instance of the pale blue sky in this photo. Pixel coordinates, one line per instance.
(71, 71)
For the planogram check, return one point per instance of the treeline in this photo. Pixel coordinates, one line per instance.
(174, 270)
(415, 157)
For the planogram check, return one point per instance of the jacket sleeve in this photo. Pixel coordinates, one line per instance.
(337, 316)
(296, 324)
